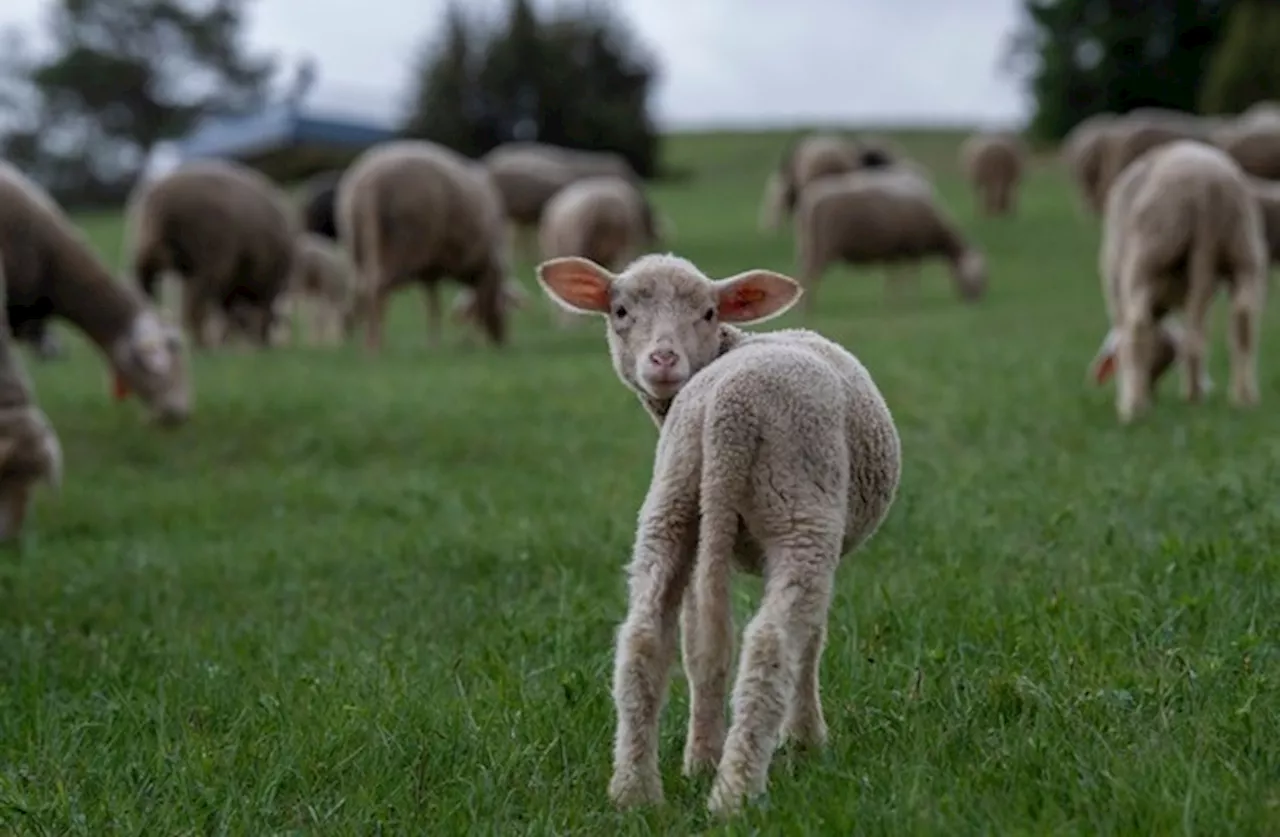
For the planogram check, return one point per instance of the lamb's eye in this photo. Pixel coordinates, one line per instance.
(620, 312)
(711, 312)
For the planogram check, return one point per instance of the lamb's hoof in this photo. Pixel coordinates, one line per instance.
(632, 789)
(726, 801)
(700, 760)
(1244, 398)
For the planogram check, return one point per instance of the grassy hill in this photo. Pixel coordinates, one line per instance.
(379, 596)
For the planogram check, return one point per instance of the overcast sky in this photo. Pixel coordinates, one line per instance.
(723, 61)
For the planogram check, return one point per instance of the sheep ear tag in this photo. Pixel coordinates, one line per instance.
(119, 389)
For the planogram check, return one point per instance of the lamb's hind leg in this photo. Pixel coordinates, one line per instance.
(804, 723)
(792, 613)
(666, 540)
(707, 631)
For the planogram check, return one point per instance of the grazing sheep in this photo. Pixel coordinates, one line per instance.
(51, 271)
(994, 164)
(806, 160)
(776, 454)
(605, 219)
(411, 210)
(30, 451)
(322, 283)
(1267, 195)
(1179, 222)
(529, 174)
(318, 198)
(886, 216)
(1127, 138)
(1081, 153)
(227, 230)
(1253, 140)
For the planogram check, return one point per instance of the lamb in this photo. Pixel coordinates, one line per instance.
(51, 271)
(1180, 221)
(30, 452)
(323, 280)
(880, 216)
(227, 230)
(994, 164)
(605, 219)
(416, 210)
(777, 455)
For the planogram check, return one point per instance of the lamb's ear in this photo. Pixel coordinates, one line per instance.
(1104, 362)
(576, 284)
(756, 295)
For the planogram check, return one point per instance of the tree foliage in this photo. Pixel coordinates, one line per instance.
(1085, 56)
(122, 76)
(1246, 67)
(576, 77)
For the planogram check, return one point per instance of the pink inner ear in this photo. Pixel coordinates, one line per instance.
(577, 284)
(742, 302)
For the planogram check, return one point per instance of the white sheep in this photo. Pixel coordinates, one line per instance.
(774, 451)
(1179, 221)
(880, 216)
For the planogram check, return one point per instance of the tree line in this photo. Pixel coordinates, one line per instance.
(121, 76)
(1081, 57)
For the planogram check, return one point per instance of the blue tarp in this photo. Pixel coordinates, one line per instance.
(277, 127)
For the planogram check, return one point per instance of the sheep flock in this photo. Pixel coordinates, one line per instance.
(776, 454)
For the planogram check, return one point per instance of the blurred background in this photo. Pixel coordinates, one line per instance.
(96, 92)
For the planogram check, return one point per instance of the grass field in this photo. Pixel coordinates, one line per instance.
(379, 597)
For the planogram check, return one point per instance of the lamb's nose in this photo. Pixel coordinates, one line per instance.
(664, 358)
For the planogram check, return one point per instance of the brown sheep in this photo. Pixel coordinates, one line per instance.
(994, 164)
(227, 230)
(880, 216)
(1253, 140)
(412, 210)
(1127, 138)
(528, 174)
(30, 452)
(51, 271)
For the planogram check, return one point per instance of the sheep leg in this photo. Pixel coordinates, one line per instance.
(1193, 348)
(797, 596)
(377, 306)
(431, 290)
(646, 646)
(196, 315)
(13, 509)
(1246, 317)
(804, 723)
(707, 631)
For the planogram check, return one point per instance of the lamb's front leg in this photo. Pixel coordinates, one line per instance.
(708, 649)
(646, 650)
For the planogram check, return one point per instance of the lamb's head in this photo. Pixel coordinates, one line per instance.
(150, 360)
(664, 315)
(970, 272)
(1169, 336)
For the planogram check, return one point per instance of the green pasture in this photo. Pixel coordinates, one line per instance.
(378, 596)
